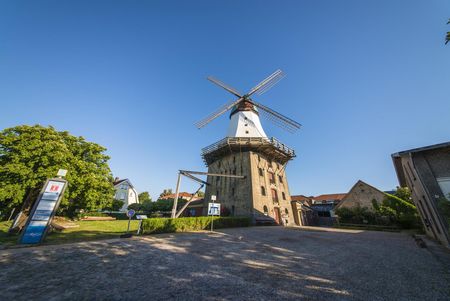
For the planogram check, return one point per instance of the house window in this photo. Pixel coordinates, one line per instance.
(283, 195)
(274, 195)
(219, 164)
(260, 172)
(271, 178)
(217, 194)
(246, 124)
(232, 210)
(234, 159)
(246, 132)
(280, 179)
(266, 211)
(232, 191)
(286, 211)
(263, 190)
(444, 184)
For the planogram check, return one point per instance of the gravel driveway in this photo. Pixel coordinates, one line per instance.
(258, 263)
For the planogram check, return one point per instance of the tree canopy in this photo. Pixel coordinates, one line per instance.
(165, 192)
(144, 197)
(31, 154)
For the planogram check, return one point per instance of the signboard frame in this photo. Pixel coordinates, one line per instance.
(36, 205)
(217, 205)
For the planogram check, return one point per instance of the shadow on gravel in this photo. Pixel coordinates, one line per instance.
(234, 264)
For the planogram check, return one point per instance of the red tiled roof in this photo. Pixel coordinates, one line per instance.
(333, 196)
(180, 195)
(300, 198)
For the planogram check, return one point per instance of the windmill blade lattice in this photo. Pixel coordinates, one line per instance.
(278, 118)
(225, 86)
(267, 83)
(217, 113)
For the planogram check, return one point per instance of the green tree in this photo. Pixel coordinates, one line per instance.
(31, 154)
(144, 197)
(399, 208)
(165, 192)
(404, 193)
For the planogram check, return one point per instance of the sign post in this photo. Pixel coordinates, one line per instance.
(43, 211)
(140, 218)
(213, 210)
(130, 214)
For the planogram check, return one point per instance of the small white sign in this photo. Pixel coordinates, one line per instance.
(213, 198)
(213, 209)
(62, 173)
(53, 190)
(141, 216)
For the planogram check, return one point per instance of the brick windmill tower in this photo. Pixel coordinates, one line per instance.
(246, 150)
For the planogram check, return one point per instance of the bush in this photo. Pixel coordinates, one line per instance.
(185, 224)
(94, 213)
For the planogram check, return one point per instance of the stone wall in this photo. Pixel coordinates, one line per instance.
(246, 196)
(361, 195)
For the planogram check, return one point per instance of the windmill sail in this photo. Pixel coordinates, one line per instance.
(244, 119)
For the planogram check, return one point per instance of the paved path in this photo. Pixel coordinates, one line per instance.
(259, 263)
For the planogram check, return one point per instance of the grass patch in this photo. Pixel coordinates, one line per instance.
(87, 230)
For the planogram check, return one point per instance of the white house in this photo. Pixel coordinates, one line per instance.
(125, 192)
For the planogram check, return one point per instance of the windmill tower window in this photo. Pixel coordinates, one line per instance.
(271, 178)
(283, 195)
(260, 172)
(246, 132)
(280, 179)
(274, 196)
(266, 211)
(263, 190)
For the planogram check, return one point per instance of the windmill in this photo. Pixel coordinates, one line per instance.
(244, 116)
(263, 193)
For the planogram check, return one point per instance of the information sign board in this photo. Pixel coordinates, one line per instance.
(43, 211)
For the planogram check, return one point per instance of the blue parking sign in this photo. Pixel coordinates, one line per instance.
(213, 209)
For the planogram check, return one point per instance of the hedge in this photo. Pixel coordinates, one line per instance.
(185, 224)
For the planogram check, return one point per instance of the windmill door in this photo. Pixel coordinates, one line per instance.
(277, 214)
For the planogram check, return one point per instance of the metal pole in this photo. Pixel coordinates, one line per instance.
(139, 227)
(212, 220)
(177, 192)
(129, 221)
(12, 212)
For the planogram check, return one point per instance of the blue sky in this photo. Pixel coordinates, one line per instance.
(365, 78)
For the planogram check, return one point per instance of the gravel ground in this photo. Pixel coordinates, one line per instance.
(258, 263)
